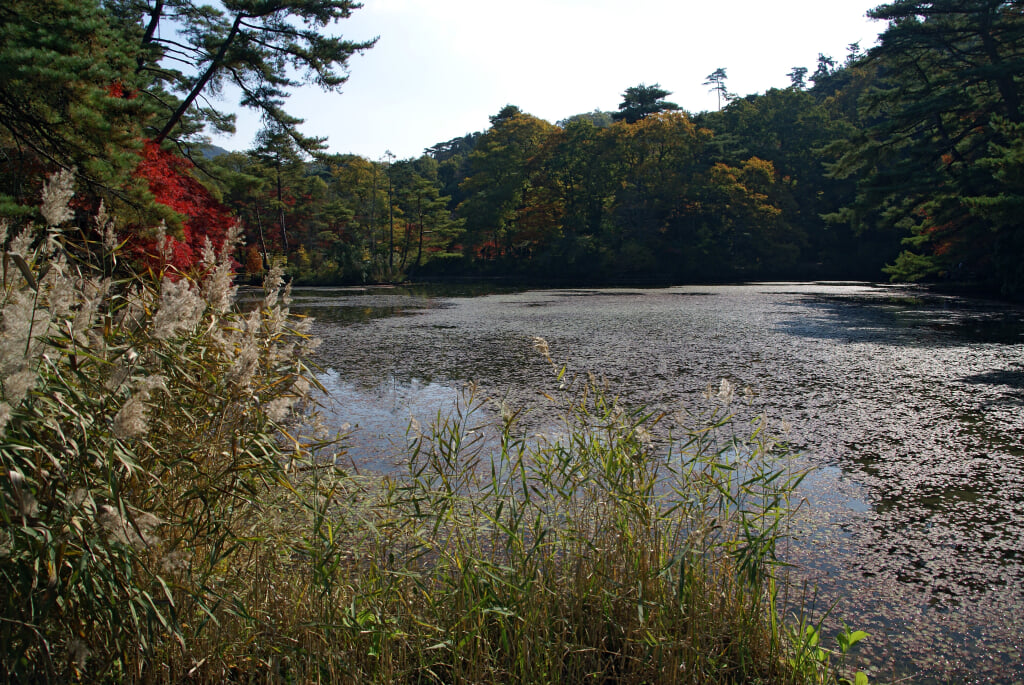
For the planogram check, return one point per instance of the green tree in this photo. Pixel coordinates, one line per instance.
(499, 209)
(825, 68)
(798, 78)
(716, 80)
(581, 178)
(188, 50)
(656, 163)
(641, 101)
(428, 228)
(452, 157)
(597, 118)
(746, 232)
(85, 84)
(360, 197)
(243, 182)
(793, 129)
(943, 113)
(1002, 203)
(279, 154)
(61, 69)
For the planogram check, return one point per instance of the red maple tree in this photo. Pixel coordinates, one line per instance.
(173, 185)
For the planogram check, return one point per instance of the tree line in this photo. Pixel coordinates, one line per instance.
(902, 161)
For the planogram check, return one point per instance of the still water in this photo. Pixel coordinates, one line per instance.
(910, 403)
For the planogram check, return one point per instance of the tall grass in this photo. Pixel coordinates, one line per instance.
(593, 557)
(166, 520)
(140, 424)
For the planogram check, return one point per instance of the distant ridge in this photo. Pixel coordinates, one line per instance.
(209, 151)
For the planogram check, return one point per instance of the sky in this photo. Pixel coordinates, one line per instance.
(440, 68)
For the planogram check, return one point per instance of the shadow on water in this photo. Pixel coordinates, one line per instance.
(919, 319)
(1010, 378)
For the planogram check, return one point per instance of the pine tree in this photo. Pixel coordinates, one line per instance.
(187, 49)
(642, 101)
(950, 74)
(62, 104)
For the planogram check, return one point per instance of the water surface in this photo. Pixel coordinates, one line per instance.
(911, 404)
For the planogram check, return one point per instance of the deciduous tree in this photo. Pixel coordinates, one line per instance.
(500, 188)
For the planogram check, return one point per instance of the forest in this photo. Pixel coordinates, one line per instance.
(901, 161)
(174, 507)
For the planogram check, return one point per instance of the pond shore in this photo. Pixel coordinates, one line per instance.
(912, 399)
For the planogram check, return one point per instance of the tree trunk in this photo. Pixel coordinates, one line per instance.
(391, 229)
(280, 209)
(1002, 77)
(419, 249)
(147, 36)
(263, 243)
(201, 83)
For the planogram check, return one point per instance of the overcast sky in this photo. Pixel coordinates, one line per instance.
(441, 67)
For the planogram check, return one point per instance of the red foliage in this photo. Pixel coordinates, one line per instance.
(172, 185)
(944, 237)
(116, 90)
(488, 250)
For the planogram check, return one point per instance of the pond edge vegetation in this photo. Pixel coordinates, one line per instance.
(173, 512)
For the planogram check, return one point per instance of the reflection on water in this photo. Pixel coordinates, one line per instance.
(381, 417)
(911, 401)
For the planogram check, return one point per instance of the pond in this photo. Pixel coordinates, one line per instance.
(910, 403)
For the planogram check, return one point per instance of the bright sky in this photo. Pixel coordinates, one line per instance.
(442, 67)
